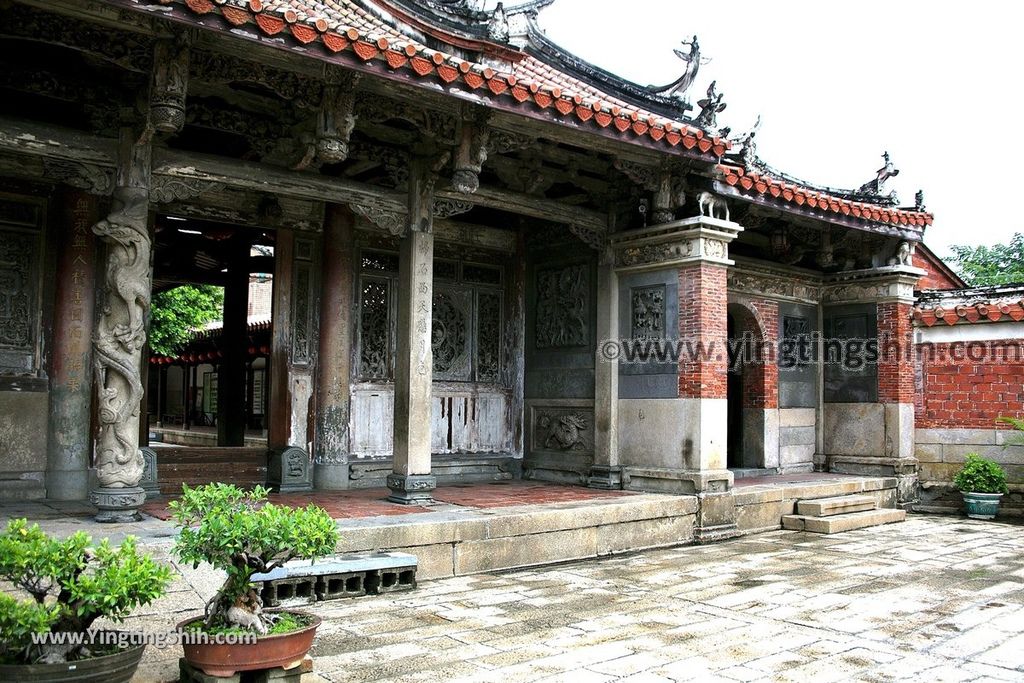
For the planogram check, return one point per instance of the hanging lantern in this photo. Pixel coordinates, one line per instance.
(780, 241)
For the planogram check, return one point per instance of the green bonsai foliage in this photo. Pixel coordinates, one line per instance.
(980, 475)
(71, 584)
(240, 532)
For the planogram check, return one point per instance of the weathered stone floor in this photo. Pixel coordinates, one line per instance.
(932, 599)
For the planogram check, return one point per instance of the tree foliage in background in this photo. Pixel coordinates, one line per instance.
(1000, 264)
(179, 311)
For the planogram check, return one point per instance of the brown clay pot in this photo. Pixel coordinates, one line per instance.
(285, 650)
(118, 667)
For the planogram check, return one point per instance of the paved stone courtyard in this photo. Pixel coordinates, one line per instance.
(932, 599)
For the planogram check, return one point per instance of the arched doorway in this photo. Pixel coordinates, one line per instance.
(748, 387)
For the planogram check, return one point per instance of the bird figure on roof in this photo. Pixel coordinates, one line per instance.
(693, 62)
(882, 175)
(710, 107)
(497, 26)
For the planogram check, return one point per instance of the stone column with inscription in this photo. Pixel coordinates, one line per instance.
(411, 481)
(606, 473)
(120, 335)
(678, 444)
(69, 446)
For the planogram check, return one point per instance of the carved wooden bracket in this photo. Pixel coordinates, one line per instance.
(89, 177)
(392, 221)
(472, 151)
(169, 189)
(337, 117)
(170, 82)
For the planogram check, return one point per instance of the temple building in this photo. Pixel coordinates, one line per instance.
(466, 232)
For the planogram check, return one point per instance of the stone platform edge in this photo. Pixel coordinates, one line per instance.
(458, 543)
(760, 508)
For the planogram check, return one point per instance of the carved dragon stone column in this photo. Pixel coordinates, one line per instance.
(120, 337)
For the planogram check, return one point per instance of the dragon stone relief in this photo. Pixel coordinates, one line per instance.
(563, 430)
(121, 336)
(562, 296)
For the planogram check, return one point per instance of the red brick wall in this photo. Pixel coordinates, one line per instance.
(935, 278)
(702, 318)
(760, 379)
(896, 359)
(958, 392)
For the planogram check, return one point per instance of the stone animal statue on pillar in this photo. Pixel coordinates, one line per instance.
(712, 206)
(120, 337)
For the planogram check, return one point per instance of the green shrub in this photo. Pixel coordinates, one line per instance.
(240, 532)
(71, 584)
(980, 475)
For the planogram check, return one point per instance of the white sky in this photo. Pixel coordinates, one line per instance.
(932, 83)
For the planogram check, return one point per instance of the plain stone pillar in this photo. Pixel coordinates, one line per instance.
(412, 482)
(331, 446)
(69, 445)
(231, 373)
(606, 472)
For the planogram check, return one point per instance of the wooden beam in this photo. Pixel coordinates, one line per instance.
(54, 142)
(527, 205)
(247, 175)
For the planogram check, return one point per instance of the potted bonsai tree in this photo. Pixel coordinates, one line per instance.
(70, 583)
(242, 534)
(982, 483)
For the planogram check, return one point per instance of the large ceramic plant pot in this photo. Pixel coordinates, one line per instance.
(118, 667)
(981, 505)
(285, 650)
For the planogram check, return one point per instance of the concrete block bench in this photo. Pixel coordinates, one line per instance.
(301, 582)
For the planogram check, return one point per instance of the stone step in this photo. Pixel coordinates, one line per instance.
(845, 522)
(826, 507)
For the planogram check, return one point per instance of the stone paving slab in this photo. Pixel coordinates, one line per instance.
(935, 598)
(932, 599)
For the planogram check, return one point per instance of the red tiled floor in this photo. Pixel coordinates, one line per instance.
(373, 502)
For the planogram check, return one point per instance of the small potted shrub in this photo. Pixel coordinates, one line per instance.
(982, 483)
(242, 534)
(70, 583)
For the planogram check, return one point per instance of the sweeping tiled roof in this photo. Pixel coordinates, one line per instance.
(342, 27)
(753, 183)
(523, 80)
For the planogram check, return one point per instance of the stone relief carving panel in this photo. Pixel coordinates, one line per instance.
(563, 296)
(647, 312)
(563, 430)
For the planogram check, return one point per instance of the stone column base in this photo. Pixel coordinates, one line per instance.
(604, 477)
(716, 517)
(118, 505)
(676, 481)
(411, 489)
(903, 469)
(150, 480)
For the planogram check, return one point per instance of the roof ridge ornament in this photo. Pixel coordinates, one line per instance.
(876, 186)
(710, 107)
(693, 61)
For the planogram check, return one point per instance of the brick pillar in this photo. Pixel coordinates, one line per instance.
(677, 444)
(705, 361)
(896, 393)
